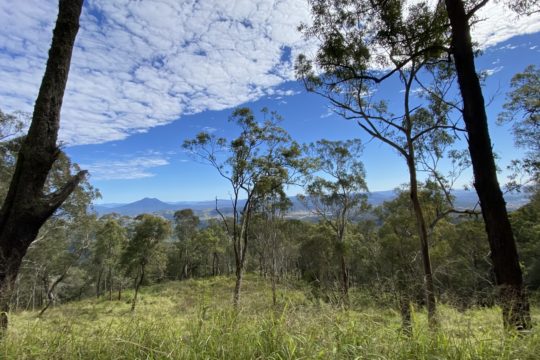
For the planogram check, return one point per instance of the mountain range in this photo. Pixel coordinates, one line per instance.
(207, 209)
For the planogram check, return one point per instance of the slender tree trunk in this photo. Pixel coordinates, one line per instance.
(34, 295)
(513, 297)
(274, 293)
(26, 207)
(110, 283)
(18, 287)
(238, 284)
(274, 272)
(214, 264)
(50, 301)
(344, 279)
(424, 243)
(137, 286)
(98, 283)
(50, 289)
(79, 297)
(406, 316)
(240, 247)
(213, 271)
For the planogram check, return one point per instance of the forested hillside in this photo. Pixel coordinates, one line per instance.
(295, 257)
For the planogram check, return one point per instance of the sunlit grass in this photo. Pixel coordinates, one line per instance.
(195, 320)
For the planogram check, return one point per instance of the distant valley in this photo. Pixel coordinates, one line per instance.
(207, 209)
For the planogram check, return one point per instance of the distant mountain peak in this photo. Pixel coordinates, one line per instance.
(149, 200)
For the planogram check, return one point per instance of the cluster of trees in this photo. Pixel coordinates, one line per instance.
(364, 43)
(426, 48)
(345, 244)
(349, 249)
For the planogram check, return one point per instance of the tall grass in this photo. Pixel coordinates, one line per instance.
(195, 320)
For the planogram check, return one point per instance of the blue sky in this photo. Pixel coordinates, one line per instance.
(148, 74)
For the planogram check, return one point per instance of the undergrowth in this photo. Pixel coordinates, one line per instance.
(195, 320)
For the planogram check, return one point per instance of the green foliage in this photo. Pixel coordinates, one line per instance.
(338, 196)
(354, 35)
(50, 267)
(196, 252)
(522, 109)
(257, 164)
(262, 158)
(318, 260)
(526, 226)
(111, 240)
(342, 185)
(145, 247)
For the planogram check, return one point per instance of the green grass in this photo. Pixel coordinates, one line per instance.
(195, 320)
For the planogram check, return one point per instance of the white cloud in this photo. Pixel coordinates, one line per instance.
(209, 129)
(494, 70)
(327, 113)
(141, 64)
(498, 24)
(125, 169)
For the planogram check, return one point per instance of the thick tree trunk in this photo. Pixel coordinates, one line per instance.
(504, 255)
(26, 207)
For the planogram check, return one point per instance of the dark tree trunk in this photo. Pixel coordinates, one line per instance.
(274, 270)
(424, 242)
(406, 316)
(344, 279)
(215, 264)
(137, 286)
(238, 284)
(504, 255)
(110, 283)
(98, 283)
(50, 289)
(404, 299)
(26, 207)
(240, 241)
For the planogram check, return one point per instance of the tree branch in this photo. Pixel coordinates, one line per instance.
(52, 201)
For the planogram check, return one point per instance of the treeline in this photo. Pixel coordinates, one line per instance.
(82, 256)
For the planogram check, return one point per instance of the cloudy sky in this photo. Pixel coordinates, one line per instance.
(148, 73)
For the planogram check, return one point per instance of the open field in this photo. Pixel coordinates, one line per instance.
(195, 320)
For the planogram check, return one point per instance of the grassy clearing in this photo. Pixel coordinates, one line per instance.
(195, 320)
